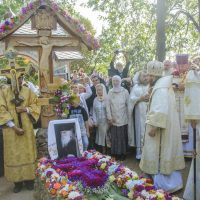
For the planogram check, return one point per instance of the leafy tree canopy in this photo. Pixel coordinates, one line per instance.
(131, 25)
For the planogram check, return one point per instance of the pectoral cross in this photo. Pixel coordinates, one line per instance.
(14, 74)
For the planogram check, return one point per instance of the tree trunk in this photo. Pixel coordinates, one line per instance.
(160, 30)
(199, 12)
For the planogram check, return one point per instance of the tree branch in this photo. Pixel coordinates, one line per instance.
(189, 16)
(199, 11)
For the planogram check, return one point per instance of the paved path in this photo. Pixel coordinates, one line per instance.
(7, 194)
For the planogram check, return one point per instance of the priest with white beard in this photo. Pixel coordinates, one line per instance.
(162, 154)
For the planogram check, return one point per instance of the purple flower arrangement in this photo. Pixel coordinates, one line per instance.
(83, 170)
(81, 174)
(62, 100)
(74, 178)
(75, 24)
(61, 103)
(131, 185)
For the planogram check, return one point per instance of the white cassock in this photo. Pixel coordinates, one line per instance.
(186, 129)
(131, 129)
(162, 155)
(139, 117)
(192, 112)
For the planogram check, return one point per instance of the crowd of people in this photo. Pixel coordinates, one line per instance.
(145, 118)
(114, 114)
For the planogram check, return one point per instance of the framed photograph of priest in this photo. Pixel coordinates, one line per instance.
(66, 139)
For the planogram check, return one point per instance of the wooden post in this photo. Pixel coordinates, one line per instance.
(193, 124)
(51, 70)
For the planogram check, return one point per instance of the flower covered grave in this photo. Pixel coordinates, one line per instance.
(94, 176)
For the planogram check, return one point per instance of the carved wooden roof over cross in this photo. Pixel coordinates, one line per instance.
(26, 30)
(66, 22)
(69, 55)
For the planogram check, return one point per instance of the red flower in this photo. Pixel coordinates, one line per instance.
(57, 186)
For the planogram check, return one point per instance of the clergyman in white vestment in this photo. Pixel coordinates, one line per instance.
(192, 112)
(162, 155)
(138, 100)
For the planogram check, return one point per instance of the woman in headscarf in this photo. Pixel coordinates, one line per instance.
(117, 114)
(138, 103)
(100, 118)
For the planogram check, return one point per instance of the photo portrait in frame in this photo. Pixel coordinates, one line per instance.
(64, 138)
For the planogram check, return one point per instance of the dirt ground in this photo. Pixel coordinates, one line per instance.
(7, 194)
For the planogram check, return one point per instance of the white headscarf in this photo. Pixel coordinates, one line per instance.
(136, 78)
(117, 88)
(102, 98)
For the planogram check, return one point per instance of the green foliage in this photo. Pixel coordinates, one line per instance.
(3, 63)
(22, 62)
(66, 5)
(131, 25)
(11, 5)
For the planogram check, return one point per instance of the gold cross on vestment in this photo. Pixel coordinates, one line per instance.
(14, 74)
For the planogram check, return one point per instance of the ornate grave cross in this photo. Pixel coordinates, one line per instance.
(45, 43)
(13, 73)
(44, 21)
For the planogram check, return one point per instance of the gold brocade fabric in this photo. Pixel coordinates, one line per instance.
(19, 151)
(162, 153)
(183, 77)
(157, 119)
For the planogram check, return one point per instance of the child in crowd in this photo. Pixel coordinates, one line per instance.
(76, 111)
(88, 81)
(100, 117)
(81, 88)
(84, 94)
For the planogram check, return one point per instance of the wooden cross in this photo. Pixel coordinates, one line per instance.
(45, 46)
(45, 43)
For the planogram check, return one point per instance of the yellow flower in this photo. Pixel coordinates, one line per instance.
(71, 187)
(111, 178)
(103, 166)
(64, 182)
(130, 194)
(26, 60)
(160, 195)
